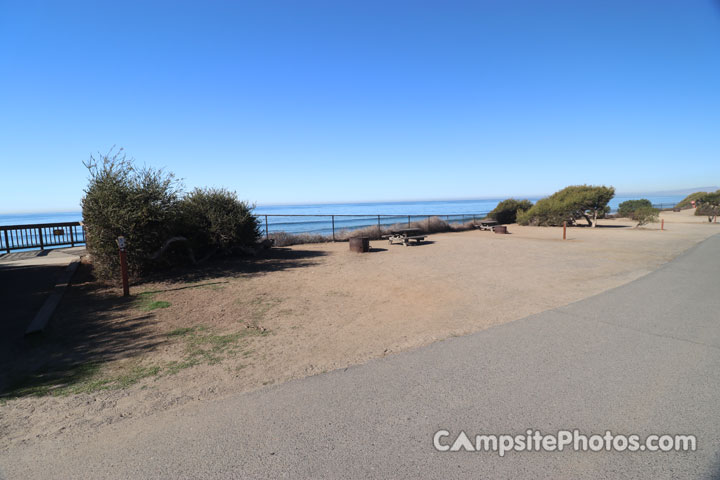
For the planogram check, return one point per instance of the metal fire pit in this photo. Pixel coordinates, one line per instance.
(360, 244)
(500, 229)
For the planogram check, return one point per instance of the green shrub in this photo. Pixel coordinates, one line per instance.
(708, 205)
(215, 220)
(626, 208)
(687, 201)
(569, 204)
(507, 210)
(644, 215)
(139, 204)
(148, 208)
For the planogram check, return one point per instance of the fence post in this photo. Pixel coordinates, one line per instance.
(564, 230)
(379, 230)
(408, 221)
(7, 243)
(333, 226)
(267, 232)
(42, 244)
(72, 236)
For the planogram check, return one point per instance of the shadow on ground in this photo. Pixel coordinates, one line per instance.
(94, 325)
(272, 260)
(89, 328)
(23, 290)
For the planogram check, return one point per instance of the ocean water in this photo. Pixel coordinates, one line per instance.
(317, 218)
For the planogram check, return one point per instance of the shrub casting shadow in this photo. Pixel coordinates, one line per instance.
(271, 260)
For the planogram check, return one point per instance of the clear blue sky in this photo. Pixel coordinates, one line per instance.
(304, 101)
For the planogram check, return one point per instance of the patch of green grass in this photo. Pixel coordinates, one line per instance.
(146, 301)
(136, 374)
(259, 307)
(181, 332)
(202, 346)
(156, 305)
(82, 378)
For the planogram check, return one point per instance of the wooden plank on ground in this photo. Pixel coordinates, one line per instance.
(43, 316)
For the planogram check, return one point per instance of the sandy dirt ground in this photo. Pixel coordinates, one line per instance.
(309, 309)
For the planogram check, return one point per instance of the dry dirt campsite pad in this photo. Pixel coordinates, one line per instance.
(241, 324)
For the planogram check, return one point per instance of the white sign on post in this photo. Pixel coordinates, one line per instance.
(121, 243)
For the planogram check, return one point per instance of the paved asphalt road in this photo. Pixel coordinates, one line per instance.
(643, 359)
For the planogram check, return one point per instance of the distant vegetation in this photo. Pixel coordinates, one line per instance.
(569, 205)
(161, 224)
(507, 210)
(708, 205)
(628, 207)
(641, 211)
(687, 201)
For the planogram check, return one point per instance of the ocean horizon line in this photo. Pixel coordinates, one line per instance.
(407, 201)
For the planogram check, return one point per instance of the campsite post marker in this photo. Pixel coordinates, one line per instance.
(123, 266)
(565, 230)
(662, 224)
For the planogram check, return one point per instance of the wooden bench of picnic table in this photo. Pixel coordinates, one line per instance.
(417, 238)
(486, 224)
(404, 236)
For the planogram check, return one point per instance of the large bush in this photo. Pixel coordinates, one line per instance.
(708, 205)
(215, 220)
(161, 226)
(687, 201)
(139, 204)
(569, 204)
(628, 207)
(507, 210)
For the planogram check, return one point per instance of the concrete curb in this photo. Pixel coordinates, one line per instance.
(43, 316)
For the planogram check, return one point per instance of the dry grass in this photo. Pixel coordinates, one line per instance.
(284, 239)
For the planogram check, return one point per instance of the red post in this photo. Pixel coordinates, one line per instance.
(123, 266)
(565, 230)
(662, 224)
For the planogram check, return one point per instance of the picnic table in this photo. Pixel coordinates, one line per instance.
(404, 235)
(486, 224)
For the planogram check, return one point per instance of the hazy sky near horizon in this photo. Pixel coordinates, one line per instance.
(326, 101)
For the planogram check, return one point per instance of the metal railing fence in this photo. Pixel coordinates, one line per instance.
(331, 225)
(41, 235)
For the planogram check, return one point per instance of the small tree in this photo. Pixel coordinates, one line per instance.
(570, 204)
(708, 205)
(644, 215)
(628, 207)
(687, 201)
(507, 210)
